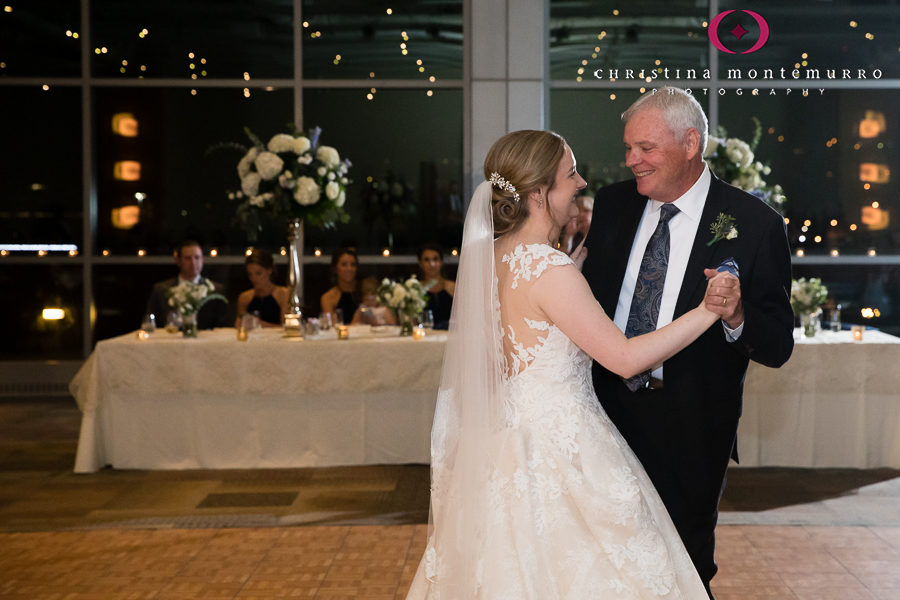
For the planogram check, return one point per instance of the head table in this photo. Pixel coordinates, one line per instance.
(215, 402)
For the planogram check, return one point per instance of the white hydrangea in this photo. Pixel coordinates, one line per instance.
(301, 145)
(332, 190)
(269, 165)
(329, 156)
(739, 152)
(306, 191)
(246, 162)
(281, 142)
(250, 183)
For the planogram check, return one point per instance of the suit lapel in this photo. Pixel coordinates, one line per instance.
(630, 218)
(701, 254)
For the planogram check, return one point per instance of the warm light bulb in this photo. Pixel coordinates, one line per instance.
(53, 314)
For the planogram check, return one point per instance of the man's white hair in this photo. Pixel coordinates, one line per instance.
(680, 110)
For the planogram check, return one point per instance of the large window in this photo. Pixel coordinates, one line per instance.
(123, 121)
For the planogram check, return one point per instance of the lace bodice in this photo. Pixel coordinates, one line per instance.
(525, 328)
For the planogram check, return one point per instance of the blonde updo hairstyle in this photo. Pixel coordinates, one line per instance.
(527, 159)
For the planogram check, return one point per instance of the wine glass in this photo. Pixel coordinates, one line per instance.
(427, 319)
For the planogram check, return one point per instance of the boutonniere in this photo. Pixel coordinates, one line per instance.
(722, 229)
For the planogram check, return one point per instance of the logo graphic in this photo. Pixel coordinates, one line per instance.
(739, 32)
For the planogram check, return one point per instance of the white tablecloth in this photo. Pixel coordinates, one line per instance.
(836, 403)
(214, 402)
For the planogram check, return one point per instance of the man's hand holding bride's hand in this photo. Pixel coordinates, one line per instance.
(579, 254)
(723, 297)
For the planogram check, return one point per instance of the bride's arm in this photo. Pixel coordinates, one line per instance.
(564, 296)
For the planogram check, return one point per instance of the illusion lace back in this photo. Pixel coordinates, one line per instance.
(571, 513)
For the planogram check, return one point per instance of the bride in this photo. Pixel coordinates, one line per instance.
(534, 493)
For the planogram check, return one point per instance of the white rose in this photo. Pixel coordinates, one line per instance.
(281, 142)
(250, 183)
(731, 234)
(738, 152)
(329, 156)
(330, 175)
(344, 181)
(269, 165)
(342, 197)
(245, 163)
(307, 191)
(231, 195)
(304, 159)
(301, 145)
(332, 190)
(321, 171)
(385, 281)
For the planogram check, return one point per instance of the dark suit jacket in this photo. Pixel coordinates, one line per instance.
(213, 314)
(703, 382)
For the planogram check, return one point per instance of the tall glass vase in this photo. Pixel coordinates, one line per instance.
(811, 322)
(406, 323)
(189, 325)
(295, 266)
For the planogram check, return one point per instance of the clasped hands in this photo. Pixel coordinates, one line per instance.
(723, 297)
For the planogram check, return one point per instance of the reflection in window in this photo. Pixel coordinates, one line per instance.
(616, 37)
(368, 40)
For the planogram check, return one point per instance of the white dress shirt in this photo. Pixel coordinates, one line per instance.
(682, 231)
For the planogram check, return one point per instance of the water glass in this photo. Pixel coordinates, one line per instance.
(427, 319)
(338, 316)
(834, 318)
(325, 321)
(149, 323)
(173, 321)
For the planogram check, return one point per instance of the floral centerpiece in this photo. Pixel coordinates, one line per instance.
(733, 160)
(406, 299)
(188, 298)
(290, 177)
(807, 297)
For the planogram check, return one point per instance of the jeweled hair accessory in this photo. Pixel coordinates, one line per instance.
(503, 184)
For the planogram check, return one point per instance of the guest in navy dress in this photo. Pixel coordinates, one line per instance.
(266, 300)
(345, 294)
(440, 290)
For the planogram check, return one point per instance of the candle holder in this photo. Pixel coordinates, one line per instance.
(293, 325)
(418, 333)
(242, 335)
(143, 335)
(857, 331)
(343, 332)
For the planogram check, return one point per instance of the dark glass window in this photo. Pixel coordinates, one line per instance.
(41, 167)
(31, 333)
(40, 39)
(157, 38)
(608, 35)
(359, 39)
(182, 185)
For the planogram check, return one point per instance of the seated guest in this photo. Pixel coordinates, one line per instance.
(345, 294)
(371, 312)
(440, 290)
(189, 258)
(266, 300)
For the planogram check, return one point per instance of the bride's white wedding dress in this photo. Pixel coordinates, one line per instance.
(569, 512)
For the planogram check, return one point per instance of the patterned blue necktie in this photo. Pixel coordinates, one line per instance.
(648, 288)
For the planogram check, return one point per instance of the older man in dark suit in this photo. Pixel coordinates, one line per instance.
(681, 419)
(189, 258)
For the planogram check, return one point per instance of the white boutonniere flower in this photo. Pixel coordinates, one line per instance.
(722, 229)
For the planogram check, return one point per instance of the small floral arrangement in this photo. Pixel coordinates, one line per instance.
(292, 176)
(722, 229)
(807, 295)
(188, 298)
(733, 160)
(403, 298)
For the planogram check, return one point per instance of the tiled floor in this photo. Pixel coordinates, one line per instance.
(785, 533)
